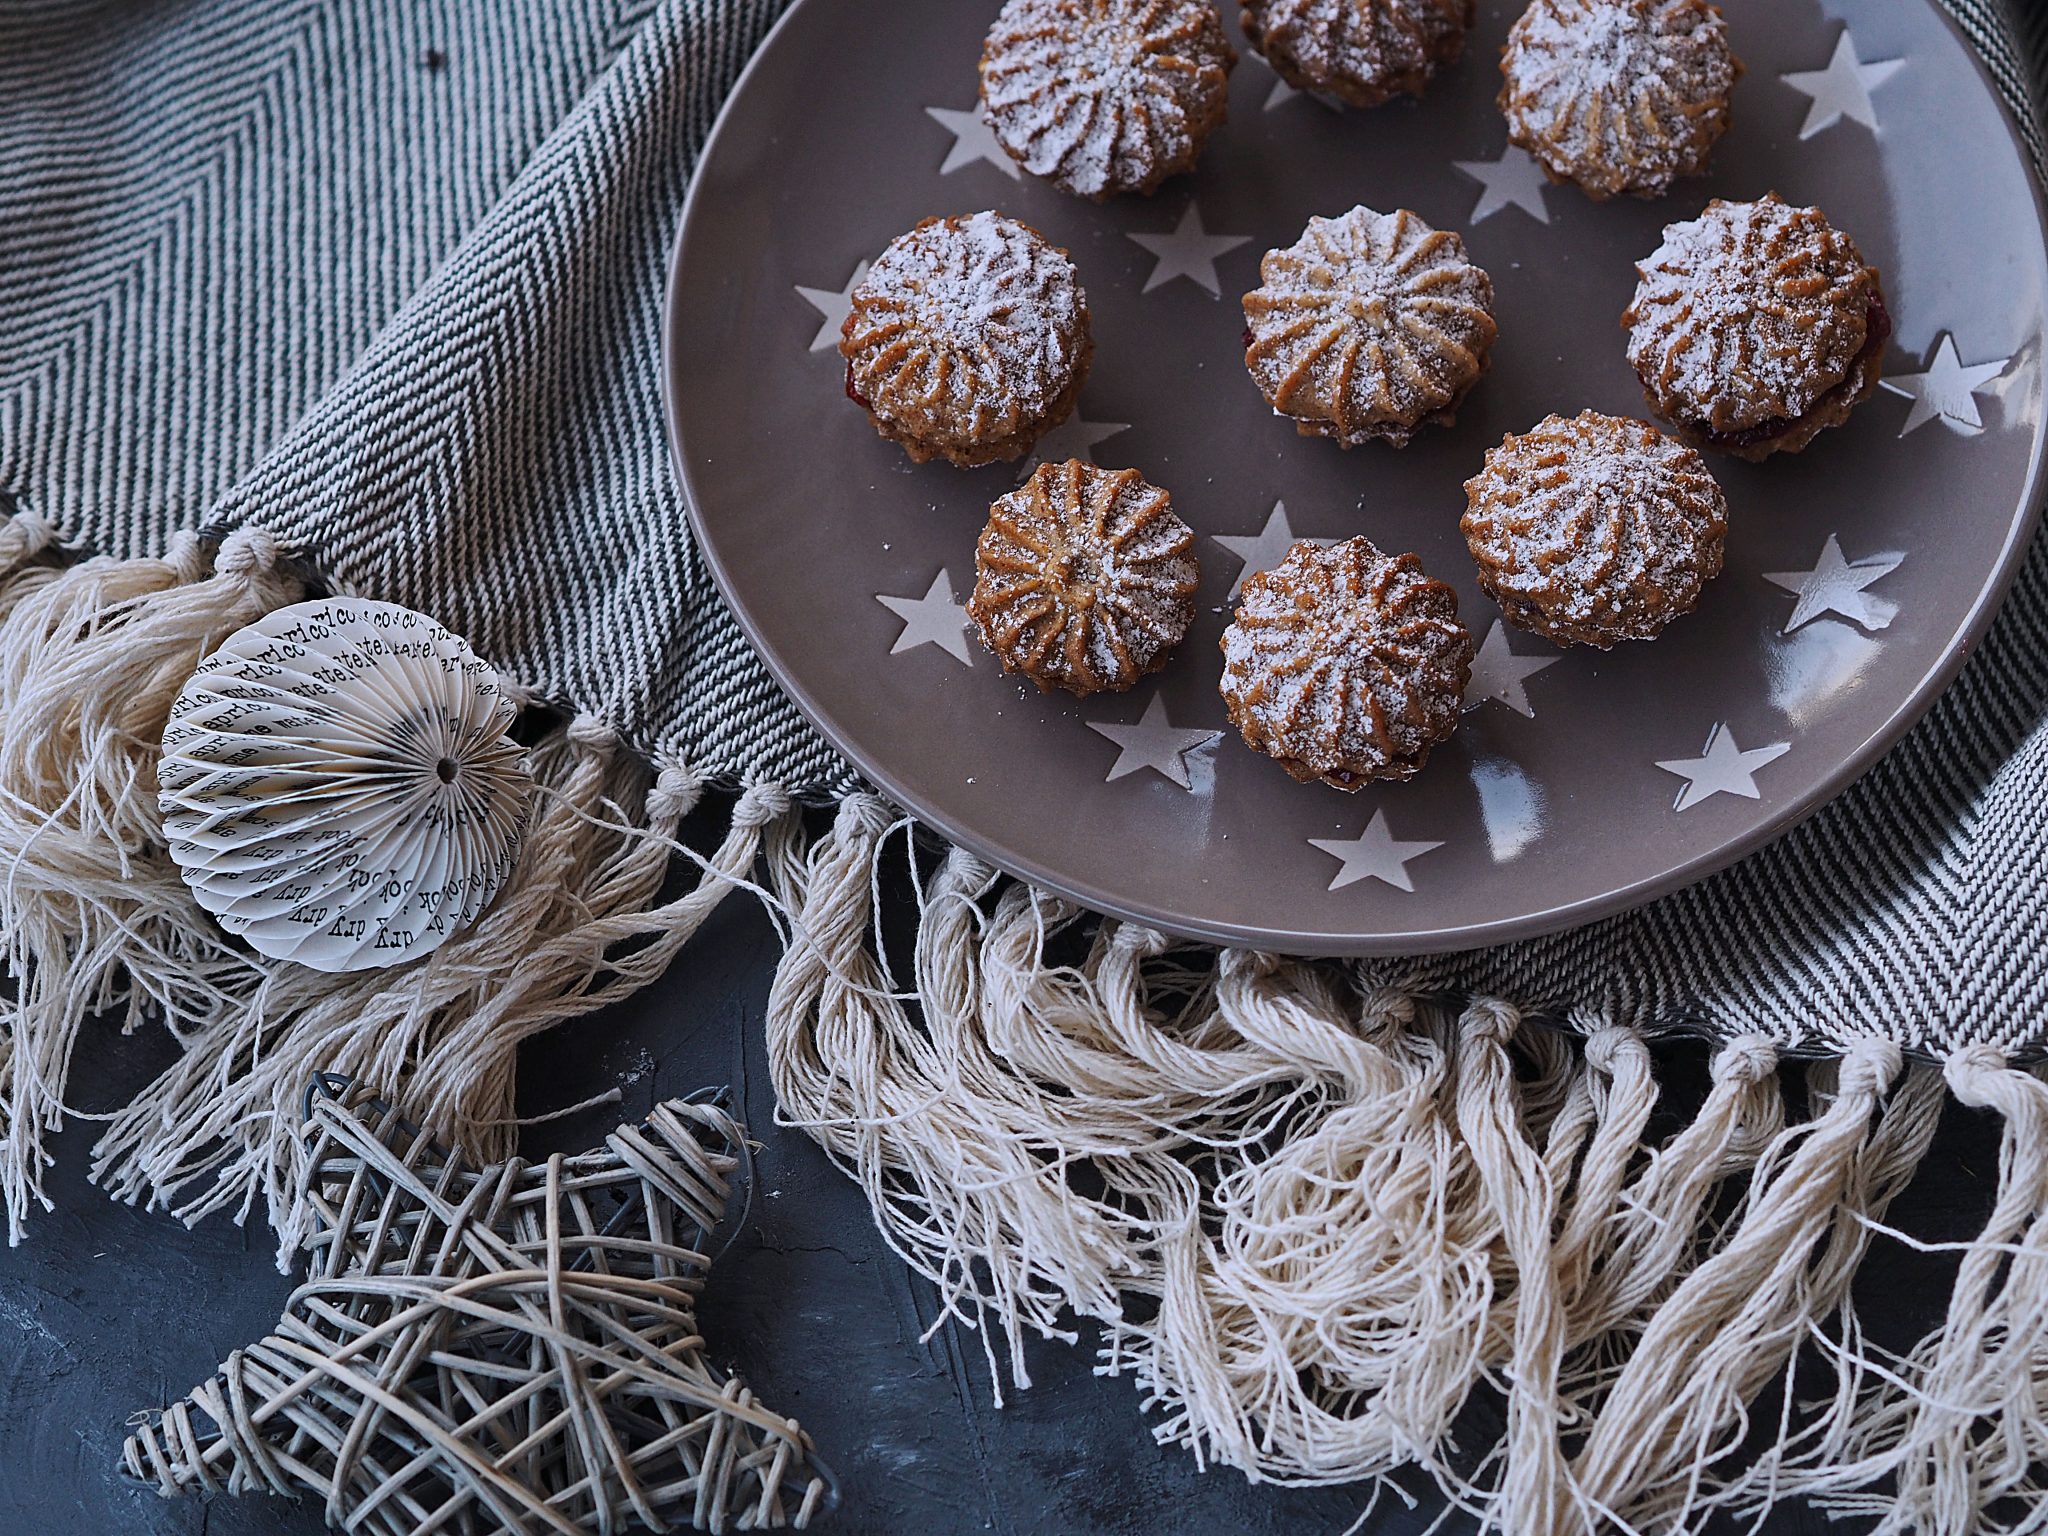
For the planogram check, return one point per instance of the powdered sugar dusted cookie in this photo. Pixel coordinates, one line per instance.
(1619, 96)
(1360, 51)
(1593, 529)
(1368, 326)
(1756, 326)
(1346, 664)
(968, 340)
(1085, 578)
(1105, 96)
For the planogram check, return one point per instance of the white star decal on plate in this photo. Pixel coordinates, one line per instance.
(1282, 93)
(1265, 549)
(1155, 742)
(1947, 390)
(1513, 181)
(1375, 854)
(1073, 438)
(1190, 251)
(1842, 89)
(833, 305)
(973, 140)
(1498, 673)
(934, 619)
(1723, 769)
(1834, 585)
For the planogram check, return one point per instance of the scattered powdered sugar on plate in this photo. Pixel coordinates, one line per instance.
(1086, 578)
(1105, 96)
(1346, 662)
(1369, 325)
(1618, 95)
(1748, 315)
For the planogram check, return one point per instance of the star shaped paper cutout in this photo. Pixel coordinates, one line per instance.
(1947, 390)
(1514, 180)
(1074, 438)
(1155, 742)
(934, 619)
(1265, 549)
(1499, 673)
(1375, 854)
(833, 305)
(1190, 251)
(973, 140)
(503, 1348)
(1834, 585)
(1842, 89)
(1723, 769)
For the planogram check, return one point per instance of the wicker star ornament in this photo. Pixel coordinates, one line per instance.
(511, 1349)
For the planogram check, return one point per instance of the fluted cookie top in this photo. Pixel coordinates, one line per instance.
(1105, 96)
(1085, 578)
(1594, 529)
(966, 333)
(1360, 51)
(1346, 664)
(1368, 326)
(1618, 95)
(1750, 315)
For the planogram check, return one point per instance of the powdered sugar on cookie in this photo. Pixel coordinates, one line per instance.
(1619, 96)
(1594, 529)
(1749, 315)
(1360, 51)
(965, 333)
(1346, 664)
(1085, 578)
(1368, 326)
(1105, 96)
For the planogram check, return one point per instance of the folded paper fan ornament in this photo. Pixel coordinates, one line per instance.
(338, 787)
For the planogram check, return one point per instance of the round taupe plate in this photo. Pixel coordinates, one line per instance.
(1858, 572)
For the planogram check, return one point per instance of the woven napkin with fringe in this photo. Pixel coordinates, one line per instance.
(368, 297)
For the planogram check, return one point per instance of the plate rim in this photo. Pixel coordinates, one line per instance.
(1897, 724)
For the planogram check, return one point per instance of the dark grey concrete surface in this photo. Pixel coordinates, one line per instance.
(108, 1310)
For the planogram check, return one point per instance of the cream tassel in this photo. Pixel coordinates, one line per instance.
(958, 1121)
(1950, 1443)
(947, 1172)
(1519, 1188)
(1736, 1320)
(1980, 1432)
(93, 916)
(1664, 1216)
(1331, 1328)
(24, 538)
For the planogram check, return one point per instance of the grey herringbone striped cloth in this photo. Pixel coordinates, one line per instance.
(387, 279)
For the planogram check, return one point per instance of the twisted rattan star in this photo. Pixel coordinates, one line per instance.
(509, 1349)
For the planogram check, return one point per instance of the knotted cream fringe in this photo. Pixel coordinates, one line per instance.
(94, 918)
(1318, 1221)
(1957, 1432)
